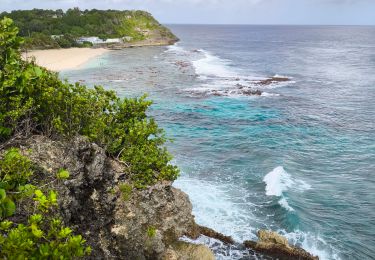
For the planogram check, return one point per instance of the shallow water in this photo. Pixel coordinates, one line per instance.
(299, 159)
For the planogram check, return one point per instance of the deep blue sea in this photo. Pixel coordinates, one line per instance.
(299, 159)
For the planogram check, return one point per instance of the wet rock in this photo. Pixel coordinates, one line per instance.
(214, 234)
(182, 64)
(272, 80)
(251, 92)
(272, 244)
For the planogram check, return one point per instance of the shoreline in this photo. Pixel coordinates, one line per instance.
(64, 59)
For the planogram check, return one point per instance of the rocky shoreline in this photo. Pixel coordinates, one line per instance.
(133, 224)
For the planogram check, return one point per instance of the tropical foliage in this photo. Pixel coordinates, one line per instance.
(41, 234)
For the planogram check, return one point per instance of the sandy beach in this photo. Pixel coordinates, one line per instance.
(64, 59)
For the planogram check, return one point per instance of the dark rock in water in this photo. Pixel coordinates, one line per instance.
(214, 234)
(272, 80)
(272, 244)
(251, 92)
(182, 64)
(240, 86)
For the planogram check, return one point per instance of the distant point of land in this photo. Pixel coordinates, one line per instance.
(113, 29)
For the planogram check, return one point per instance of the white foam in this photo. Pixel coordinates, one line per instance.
(266, 94)
(278, 181)
(215, 206)
(312, 243)
(211, 65)
(284, 203)
(175, 48)
(281, 76)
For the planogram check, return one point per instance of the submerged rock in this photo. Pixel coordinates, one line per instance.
(272, 244)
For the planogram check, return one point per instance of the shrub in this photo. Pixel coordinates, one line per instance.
(42, 235)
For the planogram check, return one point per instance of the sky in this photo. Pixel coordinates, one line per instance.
(326, 12)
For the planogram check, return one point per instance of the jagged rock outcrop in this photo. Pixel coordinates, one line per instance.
(272, 244)
(145, 224)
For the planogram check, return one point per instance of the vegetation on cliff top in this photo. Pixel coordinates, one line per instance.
(34, 100)
(44, 29)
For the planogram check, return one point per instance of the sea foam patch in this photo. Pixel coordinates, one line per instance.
(211, 65)
(278, 181)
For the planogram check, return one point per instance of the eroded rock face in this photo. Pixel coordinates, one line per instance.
(142, 226)
(275, 245)
(151, 220)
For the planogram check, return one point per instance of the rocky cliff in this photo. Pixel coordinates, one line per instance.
(122, 223)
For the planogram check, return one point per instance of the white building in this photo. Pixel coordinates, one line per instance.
(93, 40)
(96, 40)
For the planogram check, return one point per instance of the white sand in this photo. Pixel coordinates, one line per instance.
(64, 59)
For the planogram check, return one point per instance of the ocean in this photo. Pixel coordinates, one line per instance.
(298, 159)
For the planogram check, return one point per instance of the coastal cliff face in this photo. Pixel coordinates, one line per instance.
(137, 224)
(123, 223)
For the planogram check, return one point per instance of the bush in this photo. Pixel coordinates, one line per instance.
(41, 235)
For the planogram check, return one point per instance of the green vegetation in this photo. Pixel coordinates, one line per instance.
(46, 29)
(126, 190)
(62, 174)
(151, 231)
(40, 234)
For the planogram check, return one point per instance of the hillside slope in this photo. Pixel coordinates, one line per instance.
(49, 29)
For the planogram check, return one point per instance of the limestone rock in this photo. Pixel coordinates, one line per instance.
(272, 244)
(142, 226)
(186, 251)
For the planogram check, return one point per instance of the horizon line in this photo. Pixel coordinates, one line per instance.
(265, 24)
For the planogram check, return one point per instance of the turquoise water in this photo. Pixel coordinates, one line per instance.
(298, 160)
